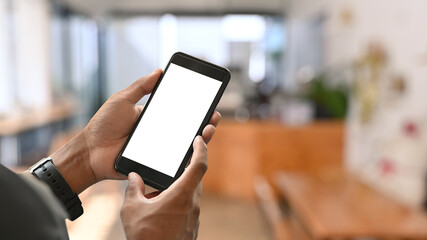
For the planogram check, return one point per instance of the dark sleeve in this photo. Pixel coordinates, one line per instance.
(28, 210)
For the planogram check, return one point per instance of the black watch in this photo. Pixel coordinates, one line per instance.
(46, 171)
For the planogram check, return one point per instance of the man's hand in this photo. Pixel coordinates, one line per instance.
(108, 130)
(90, 156)
(171, 214)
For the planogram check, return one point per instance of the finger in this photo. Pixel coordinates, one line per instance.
(135, 187)
(208, 133)
(194, 173)
(142, 86)
(216, 117)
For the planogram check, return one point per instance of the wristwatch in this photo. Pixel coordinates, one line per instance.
(46, 171)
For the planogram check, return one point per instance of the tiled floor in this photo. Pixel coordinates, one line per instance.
(221, 218)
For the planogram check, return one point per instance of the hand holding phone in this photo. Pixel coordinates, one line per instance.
(176, 210)
(189, 88)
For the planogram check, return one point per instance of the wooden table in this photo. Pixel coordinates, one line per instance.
(336, 205)
(19, 121)
(32, 118)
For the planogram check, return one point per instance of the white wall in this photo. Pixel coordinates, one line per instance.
(395, 23)
(398, 26)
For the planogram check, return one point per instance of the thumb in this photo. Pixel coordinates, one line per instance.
(198, 166)
(142, 86)
(136, 186)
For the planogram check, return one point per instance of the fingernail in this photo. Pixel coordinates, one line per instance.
(198, 138)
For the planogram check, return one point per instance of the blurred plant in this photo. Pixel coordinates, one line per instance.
(330, 101)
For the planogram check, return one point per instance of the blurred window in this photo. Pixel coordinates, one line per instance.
(137, 45)
(243, 28)
(31, 25)
(75, 61)
(6, 87)
(24, 54)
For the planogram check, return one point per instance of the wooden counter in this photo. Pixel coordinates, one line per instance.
(241, 151)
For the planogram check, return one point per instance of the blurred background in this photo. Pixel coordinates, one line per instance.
(324, 130)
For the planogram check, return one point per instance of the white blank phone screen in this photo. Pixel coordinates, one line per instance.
(172, 119)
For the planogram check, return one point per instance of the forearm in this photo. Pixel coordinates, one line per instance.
(72, 161)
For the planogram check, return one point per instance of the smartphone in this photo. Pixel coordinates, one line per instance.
(180, 106)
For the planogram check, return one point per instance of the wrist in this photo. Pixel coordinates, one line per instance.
(73, 162)
(47, 172)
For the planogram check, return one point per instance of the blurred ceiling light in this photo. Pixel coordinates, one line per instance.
(257, 64)
(243, 28)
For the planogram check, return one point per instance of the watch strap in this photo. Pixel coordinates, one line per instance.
(47, 172)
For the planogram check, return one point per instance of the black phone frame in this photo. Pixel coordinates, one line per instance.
(151, 176)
